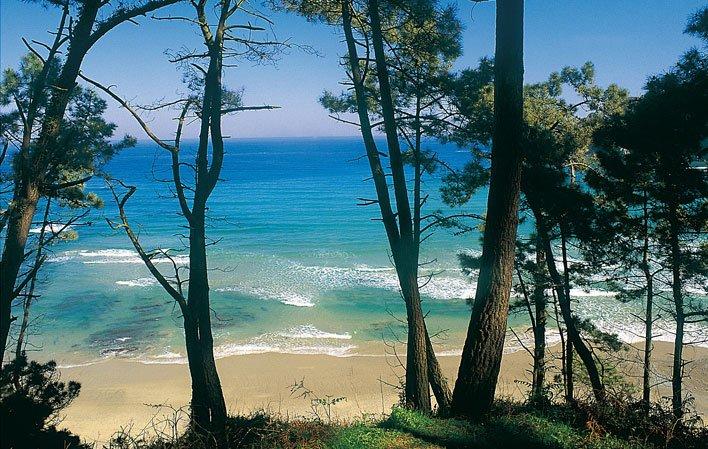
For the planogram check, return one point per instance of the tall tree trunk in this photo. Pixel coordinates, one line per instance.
(677, 296)
(564, 346)
(208, 405)
(438, 382)
(575, 341)
(29, 295)
(33, 169)
(570, 393)
(417, 386)
(649, 315)
(18, 226)
(569, 375)
(406, 258)
(539, 328)
(481, 356)
(648, 341)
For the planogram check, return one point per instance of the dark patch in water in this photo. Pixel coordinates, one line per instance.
(127, 338)
(147, 307)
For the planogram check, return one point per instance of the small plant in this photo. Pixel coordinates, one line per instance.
(320, 407)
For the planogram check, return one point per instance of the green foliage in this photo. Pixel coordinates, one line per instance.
(423, 39)
(698, 23)
(558, 133)
(327, 11)
(31, 397)
(84, 144)
(459, 186)
(648, 187)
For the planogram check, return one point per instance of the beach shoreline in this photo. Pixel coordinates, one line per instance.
(122, 394)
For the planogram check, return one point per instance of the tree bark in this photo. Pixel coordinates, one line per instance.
(539, 329)
(570, 384)
(575, 341)
(208, 404)
(481, 356)
(438, 381)
(18, 226)
(677, 296)
(649, 315)
(648, 342)
(569, 375)
(417, 385)
(19, 347)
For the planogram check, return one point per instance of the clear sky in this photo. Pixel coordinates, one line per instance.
(627, 40)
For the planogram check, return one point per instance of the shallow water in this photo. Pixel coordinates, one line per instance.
(298, 267)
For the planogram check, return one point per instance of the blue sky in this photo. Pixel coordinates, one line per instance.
(627, 40)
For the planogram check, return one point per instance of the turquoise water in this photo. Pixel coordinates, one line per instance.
(298, 267)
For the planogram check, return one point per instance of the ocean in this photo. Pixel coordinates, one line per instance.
(296, 266)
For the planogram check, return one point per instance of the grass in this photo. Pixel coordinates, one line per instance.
(369, 437)
(525, 429)
(404, 429)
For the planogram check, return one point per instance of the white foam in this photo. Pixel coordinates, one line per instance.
(310, 331)
(294, 299)
(140, 282)
(166, 358)
(264, 348)
(286, 297)
(590, 293)
(114, 256)
(296, 340)
(106, 253)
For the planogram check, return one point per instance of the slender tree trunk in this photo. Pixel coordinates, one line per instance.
(208, 404)
(649, 315)
(569, 375)
(677, 296)
(539, 328)
(575, 341)
(39, 255)
(563, 342)
(570, 394)
(648, 342)
(200, 408)
(481, 356)
(405, 249)
(438, 381)
(417, 386)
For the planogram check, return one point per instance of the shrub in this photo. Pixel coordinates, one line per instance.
(31, 397)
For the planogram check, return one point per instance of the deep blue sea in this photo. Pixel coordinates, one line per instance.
(296, 266)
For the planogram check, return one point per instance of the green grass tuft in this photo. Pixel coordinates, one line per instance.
(367, 437)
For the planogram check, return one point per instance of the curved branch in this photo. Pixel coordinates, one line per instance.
(132, 112)
(126, 15)
(147, 260)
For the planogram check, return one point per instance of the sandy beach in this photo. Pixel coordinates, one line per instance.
(124, 394)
